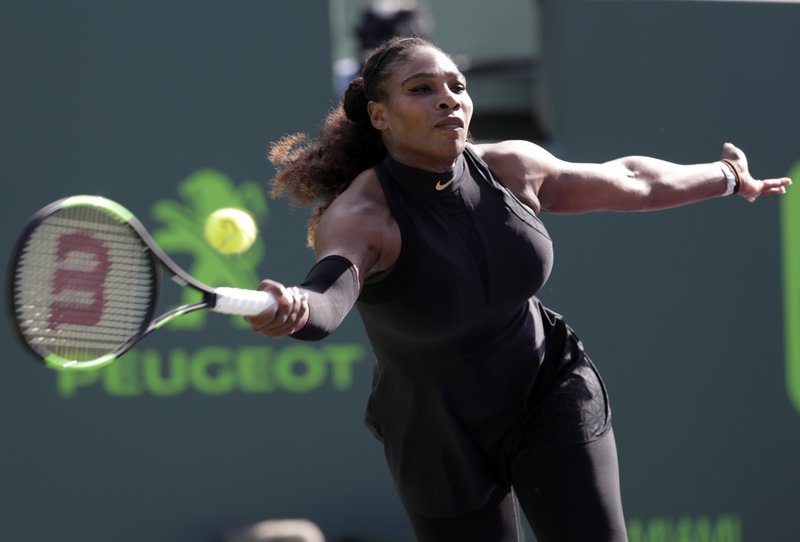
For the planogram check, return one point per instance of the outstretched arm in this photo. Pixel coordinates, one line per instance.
(634, 183)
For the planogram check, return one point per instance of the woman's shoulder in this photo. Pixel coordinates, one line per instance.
(364, 196)
(511, 150)
(520, 165)
(359, 225)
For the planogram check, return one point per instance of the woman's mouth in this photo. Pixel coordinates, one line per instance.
(450, 123)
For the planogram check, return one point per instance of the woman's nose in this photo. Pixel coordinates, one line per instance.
(449, 101)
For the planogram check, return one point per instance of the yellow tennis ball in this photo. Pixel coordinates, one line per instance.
(230, 231)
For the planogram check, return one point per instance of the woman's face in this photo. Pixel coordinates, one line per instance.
(425, 115)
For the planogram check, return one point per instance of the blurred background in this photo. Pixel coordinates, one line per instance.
(205, 432)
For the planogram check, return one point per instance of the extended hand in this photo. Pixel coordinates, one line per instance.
(751, 188)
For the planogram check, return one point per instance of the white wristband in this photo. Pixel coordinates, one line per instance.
(730, 178)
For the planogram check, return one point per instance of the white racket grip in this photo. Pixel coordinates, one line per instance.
(242, 302)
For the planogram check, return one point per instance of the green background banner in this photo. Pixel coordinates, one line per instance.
(692, 315)
(791, 287)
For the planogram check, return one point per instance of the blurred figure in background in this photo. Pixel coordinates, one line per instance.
(380, 21)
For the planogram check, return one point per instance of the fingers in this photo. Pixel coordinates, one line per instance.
(293, 318)
(775, 186)
(289, 314)
(767, 187)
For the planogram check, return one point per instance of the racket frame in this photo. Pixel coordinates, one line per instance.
(156, 257)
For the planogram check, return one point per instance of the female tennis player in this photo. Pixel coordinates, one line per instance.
(482, 396)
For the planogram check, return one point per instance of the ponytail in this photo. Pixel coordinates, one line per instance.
(314, 173)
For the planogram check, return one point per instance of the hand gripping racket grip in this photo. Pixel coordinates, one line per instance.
(242, 302)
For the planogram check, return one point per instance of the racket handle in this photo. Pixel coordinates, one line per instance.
(242, 302)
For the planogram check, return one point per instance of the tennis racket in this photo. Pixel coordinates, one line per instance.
(84, 284)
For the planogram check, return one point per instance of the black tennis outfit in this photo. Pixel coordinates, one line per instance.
(478, 387)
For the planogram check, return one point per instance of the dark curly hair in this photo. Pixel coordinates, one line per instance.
(315, 172)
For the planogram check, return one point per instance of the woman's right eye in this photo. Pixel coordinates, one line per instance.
(420, 89)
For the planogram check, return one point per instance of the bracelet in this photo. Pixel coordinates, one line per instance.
(731, 177)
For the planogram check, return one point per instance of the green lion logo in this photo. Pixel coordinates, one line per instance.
(203, 192)
(790, 219)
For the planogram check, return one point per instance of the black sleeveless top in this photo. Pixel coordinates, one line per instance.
(461, 342)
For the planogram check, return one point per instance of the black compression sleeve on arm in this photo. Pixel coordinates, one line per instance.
(332, 287)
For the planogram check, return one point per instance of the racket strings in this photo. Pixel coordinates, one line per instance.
(84, 284)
